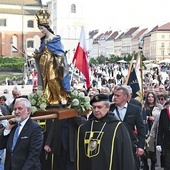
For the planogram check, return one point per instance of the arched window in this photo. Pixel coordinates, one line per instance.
(30, 24)
(14, 42)
(30, 44)
(73, 8)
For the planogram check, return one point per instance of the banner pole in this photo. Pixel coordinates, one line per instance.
(130, 68)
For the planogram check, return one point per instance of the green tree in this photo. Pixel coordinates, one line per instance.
(15, 64)
(93, 61)
(114, 59)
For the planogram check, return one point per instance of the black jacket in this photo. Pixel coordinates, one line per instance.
(163, 137)
(62, 135)
(26, 153)
(133, 119)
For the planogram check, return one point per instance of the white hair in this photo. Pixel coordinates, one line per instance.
(26, 102)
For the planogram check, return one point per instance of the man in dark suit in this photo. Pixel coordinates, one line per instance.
(22, 138)
(61, 141)
(131, 115)
(163, 138)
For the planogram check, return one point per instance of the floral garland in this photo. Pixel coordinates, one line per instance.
(79, 101)
(38, 101)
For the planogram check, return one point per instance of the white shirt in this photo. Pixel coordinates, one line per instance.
(6, 132)
(121, 112)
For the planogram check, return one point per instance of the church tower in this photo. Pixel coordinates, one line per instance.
(68, 16)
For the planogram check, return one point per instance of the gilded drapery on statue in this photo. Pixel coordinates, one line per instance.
(52, 66)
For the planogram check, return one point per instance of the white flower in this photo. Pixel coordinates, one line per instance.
(38, 101)
(34, 109)
(81, 94)
(88, 106)
(74, 93)
(63, 101)
(33, 101)
(40, 93)
(75, 102)
(43, 106)
(87, 99)
(79, 101)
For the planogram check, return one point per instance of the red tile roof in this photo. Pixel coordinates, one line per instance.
(120, 36)
(99, 36)
(140, 33)
(107, 33)
(113, 35)
(93, 33)
(130, 32)
(149, 33)
(165, 27)
(155, 28)
(102, 36)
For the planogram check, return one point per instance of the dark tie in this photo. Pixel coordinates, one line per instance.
(16, 134)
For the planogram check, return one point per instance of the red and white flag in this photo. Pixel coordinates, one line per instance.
(80, 58)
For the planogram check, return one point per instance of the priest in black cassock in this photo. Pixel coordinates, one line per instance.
(103, 142)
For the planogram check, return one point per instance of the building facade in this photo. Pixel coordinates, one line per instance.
(155, 43)
(68, 17)
(160, 42)
(19, 34)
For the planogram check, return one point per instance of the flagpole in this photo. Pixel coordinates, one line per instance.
(130, 68)
(141, 74)
(73, 70)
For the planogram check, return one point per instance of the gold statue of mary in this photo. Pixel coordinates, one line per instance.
(51, 62)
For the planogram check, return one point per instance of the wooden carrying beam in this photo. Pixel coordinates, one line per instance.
(53, 113)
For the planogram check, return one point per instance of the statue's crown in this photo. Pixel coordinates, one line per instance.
(43, 17)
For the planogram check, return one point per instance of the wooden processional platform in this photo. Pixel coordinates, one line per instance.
(51, 113)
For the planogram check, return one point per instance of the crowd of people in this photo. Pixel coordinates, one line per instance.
(136, 130)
